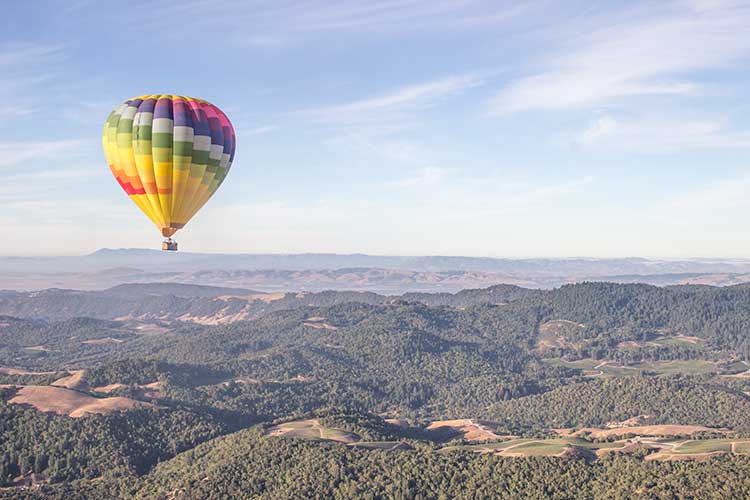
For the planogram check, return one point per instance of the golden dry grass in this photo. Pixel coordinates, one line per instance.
(649, 430)
(152, 390)
(471, 430)
(72, 403)
(72, 381)
(106, 389)
(19, 371)
(262, 297)
(318, 324)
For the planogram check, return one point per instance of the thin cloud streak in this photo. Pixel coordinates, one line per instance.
(13, 154)
(270, 24)
(636, 58)
(406, 99)
(661, 132)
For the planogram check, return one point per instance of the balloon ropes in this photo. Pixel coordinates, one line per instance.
(170, 154)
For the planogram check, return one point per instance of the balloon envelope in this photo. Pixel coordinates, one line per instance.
(170, 154)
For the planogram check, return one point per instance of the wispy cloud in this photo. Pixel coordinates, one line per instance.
(397, 106)
(17, 54)
(24, 66)
(649, 53)
(276, 23)
(13, 111)
(661, 132)
(13, 154)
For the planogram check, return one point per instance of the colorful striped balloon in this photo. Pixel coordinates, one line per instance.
(170, 154)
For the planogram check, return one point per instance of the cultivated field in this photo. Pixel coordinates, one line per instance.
(662, 448)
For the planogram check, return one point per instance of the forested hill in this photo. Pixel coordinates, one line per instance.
(607, 313)
(115, 391)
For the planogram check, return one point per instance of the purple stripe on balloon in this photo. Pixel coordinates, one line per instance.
(182, 115)
(228, 140)
(147, 106)
(200, 120)
(217, 134)
(163, 108)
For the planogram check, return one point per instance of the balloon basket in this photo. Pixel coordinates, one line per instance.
(169, 245)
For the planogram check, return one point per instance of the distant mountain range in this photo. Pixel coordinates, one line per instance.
(383, 274)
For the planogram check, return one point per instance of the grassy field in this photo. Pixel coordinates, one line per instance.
(664, 448)
(545, 448)
(312, 430)
(703, 446)
(338, 435)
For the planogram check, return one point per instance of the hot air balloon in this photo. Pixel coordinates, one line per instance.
(170, 154)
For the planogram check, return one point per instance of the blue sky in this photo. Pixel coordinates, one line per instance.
(461, 127)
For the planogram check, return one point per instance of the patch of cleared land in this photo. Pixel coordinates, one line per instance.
(318, 323)
(152, 390)
(262, 297)
(664, 448)
(19, 371)
(72, 403)
(544, 448)
(39, 348)
(697, 449)
(72, 381)
(224, 317)
(250, 380)
(552, 333)
(106, 389)
(106, 340)
(648, 430)
(594, 368)
(142, 327)
(220, 318)
(311, 429)
(469, 429)
(661, 340)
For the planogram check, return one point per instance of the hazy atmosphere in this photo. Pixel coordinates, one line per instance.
(401, 128)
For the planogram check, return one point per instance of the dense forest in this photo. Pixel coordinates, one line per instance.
(530, 361)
